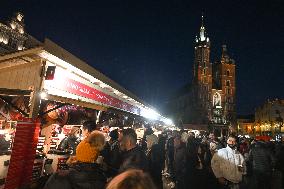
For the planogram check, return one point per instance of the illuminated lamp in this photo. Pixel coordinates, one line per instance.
(168, 121)
(43, 95)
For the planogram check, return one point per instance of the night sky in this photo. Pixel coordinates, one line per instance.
(147, 46)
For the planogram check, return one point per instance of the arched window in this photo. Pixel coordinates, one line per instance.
(228, 83)
(228, 73)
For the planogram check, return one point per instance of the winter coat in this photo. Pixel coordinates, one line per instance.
(279, 162)
(156, 161)
(79, 176)
(262, 159)
(114, 160)
(180, 164)
(134, 158)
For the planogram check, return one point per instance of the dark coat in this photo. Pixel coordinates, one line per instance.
(69, 143)
(156, 159)
(79, 176)
(261, 158)
(180, 162)
(134, 159)
(114, 160)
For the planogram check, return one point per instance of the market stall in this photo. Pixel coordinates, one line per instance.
(47, 88)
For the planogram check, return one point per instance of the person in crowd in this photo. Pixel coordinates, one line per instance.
(83, 172)
(228, 164)
(131, 179)
(170, 151)
(70, 142)
(263, 162)
(88, 127)
(184, 137)
(214, 143)
(180, 167)
(279, 161)
(155, 159)
(132, 155)
(203, 168)
(4, 145)
(143, 141)
(191, 159)
(114, 154)
(244, 148)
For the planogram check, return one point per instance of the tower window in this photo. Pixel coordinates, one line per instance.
(204, 71)
(228, 91)
(228, 83)
(228, 73)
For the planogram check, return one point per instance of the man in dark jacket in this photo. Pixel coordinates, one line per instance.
(156, 159)
(70, 142)
(179, 163)
(132, 156)
(114, 160)
(262, 164)
(280, 163)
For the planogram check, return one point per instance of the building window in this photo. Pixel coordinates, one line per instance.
(228, 73)
(204, 71)
(228, 83)
(228, 91)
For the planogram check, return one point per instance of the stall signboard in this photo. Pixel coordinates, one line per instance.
(64, 83)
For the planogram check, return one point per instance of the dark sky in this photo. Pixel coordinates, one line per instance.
(147, 45)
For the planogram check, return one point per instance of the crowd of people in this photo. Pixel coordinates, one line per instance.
(173, 159)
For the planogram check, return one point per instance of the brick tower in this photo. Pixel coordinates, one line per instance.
(202, 76)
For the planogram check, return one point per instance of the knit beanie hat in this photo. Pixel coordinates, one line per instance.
(88, 149)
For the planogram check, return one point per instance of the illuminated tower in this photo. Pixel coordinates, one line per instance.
(224, 86)
(202, 76)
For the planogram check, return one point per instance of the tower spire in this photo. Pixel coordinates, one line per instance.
(202, 19)
(202, 29)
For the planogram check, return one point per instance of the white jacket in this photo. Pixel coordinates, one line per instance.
(225, 164)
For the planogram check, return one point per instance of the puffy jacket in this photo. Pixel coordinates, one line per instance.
(79, 176)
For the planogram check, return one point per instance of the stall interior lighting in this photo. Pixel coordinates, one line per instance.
(168, 121)
(43, 95)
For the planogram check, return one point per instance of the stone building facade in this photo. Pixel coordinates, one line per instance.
(269, 118)
(13, 36)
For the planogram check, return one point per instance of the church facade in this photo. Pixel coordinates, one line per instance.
(210, 98)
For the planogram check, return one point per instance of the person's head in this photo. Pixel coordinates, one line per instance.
(88, 149)
(128, 140)
(177, 141)
(151, 140)
(131, 179)
(88, 127)
(232, 141)
(75, 131)
(114, 135)
(212, 136)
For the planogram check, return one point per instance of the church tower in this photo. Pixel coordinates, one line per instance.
(224, 85)
(202, 76)
(228, 78)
